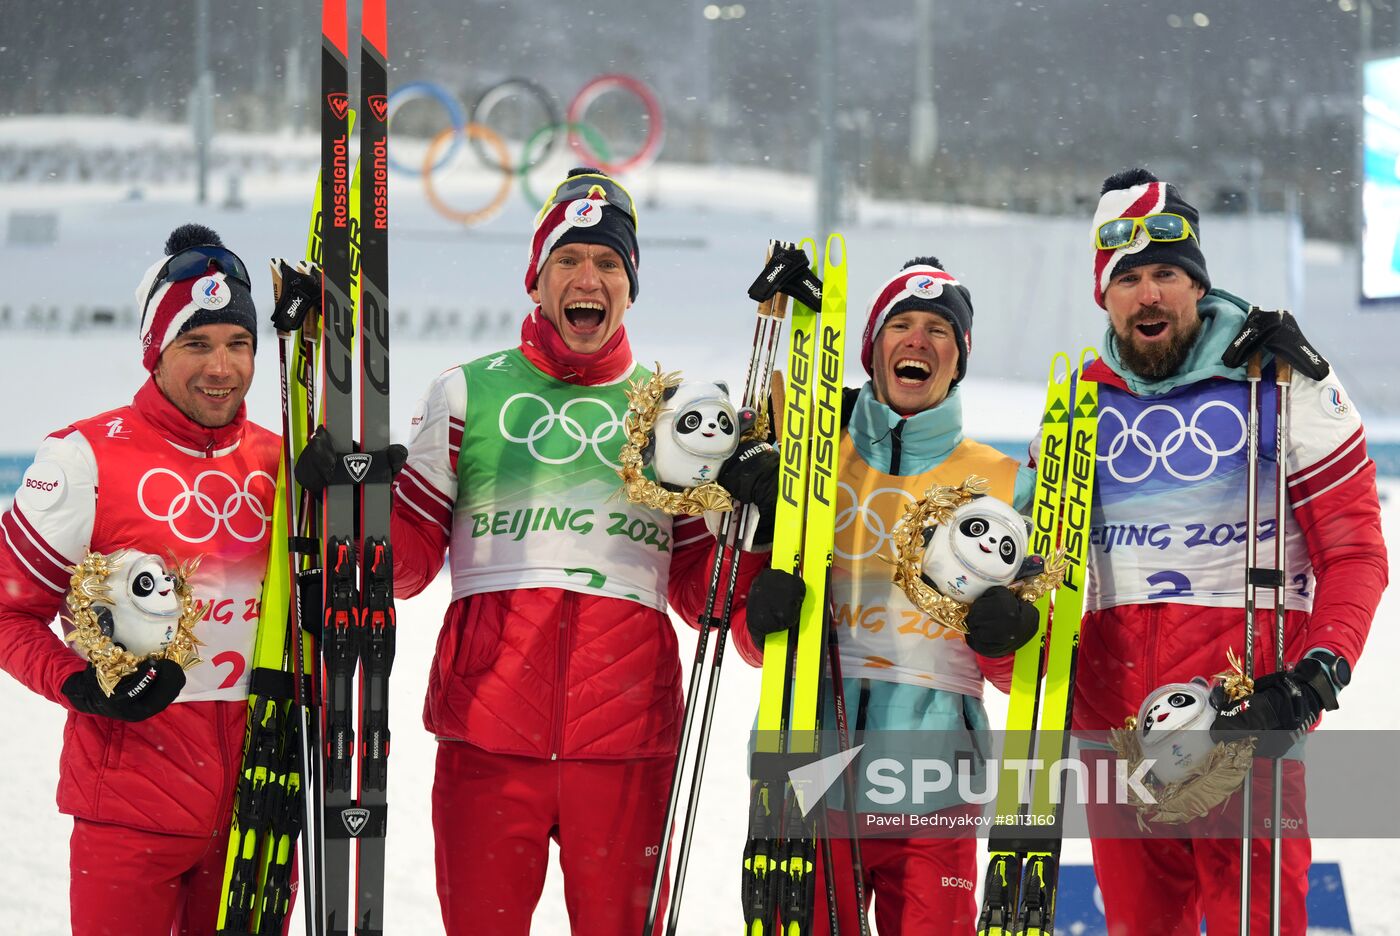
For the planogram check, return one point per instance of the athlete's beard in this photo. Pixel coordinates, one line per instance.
(1157, 360)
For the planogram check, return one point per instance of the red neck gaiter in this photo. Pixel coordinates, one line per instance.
(156, 407)
(542, 347)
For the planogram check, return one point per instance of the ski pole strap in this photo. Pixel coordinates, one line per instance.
(296, 293)
(268, 683)
(304, 545)
(1265, 578)
(788, 271)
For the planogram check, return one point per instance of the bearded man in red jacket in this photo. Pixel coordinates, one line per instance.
(148, 773)
(1167, 558)
(555, 692)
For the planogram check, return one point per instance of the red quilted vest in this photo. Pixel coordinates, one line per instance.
(169, 487)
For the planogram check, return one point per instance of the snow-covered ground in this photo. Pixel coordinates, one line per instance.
(702, 235)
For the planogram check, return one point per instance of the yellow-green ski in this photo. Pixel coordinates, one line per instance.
(778, 874)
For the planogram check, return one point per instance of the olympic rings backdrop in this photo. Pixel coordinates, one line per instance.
(473, 127)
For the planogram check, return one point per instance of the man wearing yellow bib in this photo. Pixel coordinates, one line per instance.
(910, 683)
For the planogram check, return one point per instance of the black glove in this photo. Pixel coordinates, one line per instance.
(135, 697)
(999, 623)
(1281, 709)
(318, 466)
(774, 604)
(750, 476)
(1277, 332)
(296, 291)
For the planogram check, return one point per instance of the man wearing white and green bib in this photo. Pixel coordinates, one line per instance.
(903, 672)
(555, 692)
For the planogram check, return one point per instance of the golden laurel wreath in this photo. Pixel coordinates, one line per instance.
(88, 586)
(936, 508)
(645, 399)
(1223, 773)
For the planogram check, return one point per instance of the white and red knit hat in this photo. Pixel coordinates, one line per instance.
(589, 220)
(218, 292)
(1136, 193)
(922, 285)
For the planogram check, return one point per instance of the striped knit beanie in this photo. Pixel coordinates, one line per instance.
(588, 220)
(922, 285)
(169, 308)
(1135, 194)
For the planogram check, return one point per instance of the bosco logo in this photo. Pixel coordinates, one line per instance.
(581, 425)
(195, 514)
(43, 486)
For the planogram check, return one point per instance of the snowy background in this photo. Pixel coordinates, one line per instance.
(703, 232)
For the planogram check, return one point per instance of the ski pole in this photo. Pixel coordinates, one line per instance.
(767, 331)
(1251, 554)
(1283, 378)
(731, 536)
(823, 818)
(770, 324)
(843, 742)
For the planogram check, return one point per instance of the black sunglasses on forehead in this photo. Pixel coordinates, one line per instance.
(195, 261)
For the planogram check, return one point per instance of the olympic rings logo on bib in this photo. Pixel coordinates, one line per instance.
(1189, 450)
(215, 502)
(877, 515)
(562, 438)
(494, 154)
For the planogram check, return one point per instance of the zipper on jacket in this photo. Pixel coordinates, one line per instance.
(1149, 657)
(561, 667)
(895, 445)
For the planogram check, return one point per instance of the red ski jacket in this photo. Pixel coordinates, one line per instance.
(144, 477)
(545, 671)
(1165, 598)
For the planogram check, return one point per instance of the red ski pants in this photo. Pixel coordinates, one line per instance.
(493, 818)
(130, 882)
(1165, 886)
(918, 886)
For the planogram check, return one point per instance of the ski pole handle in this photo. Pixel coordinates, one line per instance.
(1255, 366)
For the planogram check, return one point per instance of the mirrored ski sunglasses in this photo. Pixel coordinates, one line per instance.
(589, 186)
(1164, 228)
(195, 261)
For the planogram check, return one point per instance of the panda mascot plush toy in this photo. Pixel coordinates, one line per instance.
(983, 544)
(1173, 728)
(697, 429)
(128, 606)
(1188, 772)
(143, 606)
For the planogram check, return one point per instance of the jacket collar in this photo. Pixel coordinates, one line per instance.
(542, 347)
(925, 439)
